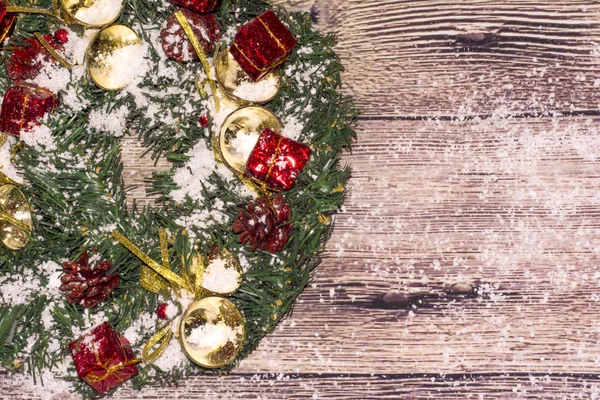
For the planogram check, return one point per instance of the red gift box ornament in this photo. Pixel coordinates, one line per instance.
(24, 106)
(7, 20)
(104, 358)
(262, 45)
(276, 161)
(201, 6)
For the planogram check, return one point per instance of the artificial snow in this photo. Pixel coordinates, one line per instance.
(6, 166)
(19, 288)
(173, 357)
(113, 122)
(257, 91)
(101, 12)
(244, 143)
(55, 383)
(191, 178)
(140, 326)
(220, 278)
(171, 311)
(125, 64)
(39, 137)
(213, 336)
(292, 127)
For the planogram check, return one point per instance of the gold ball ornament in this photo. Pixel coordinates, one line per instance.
(239, 134)
(236, 83)
(212, 332)
(92, 13)
(221, 275)
(15, 217)
(110, 56)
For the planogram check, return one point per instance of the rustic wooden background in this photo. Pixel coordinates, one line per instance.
(464, 264)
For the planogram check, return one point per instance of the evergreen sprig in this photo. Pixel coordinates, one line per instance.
(78, 195)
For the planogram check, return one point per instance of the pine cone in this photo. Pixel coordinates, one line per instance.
(176, 43)
(263, 226)
(87, 285)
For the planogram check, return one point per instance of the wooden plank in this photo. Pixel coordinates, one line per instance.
(138, 168)
(467, 57)
(507, 209)
(354, 387)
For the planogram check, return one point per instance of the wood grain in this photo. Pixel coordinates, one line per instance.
(356, 387)
(488, 232)
(467, 57)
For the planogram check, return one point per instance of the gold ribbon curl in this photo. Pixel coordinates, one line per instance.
(201, 55)
(31, 10)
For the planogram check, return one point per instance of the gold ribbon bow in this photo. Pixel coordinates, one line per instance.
(157, 278)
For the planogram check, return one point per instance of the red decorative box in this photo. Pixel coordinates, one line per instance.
(24, 106)
(104, 358)
(262, 45)
(276, 161)
(6, 21)
(201, 6)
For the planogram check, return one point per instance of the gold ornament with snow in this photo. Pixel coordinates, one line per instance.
(238, 85)
(114, 57)
(16, 223)
(92, 13)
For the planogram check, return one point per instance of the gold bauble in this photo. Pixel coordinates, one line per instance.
(92, 13)
(15, 217)
(104, 70)
(232, 77)
(240, 131)
(229, 262)
(223, 332)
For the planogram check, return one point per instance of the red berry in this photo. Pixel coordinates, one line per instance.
(203, 121)
(161, 311)
(62, 35)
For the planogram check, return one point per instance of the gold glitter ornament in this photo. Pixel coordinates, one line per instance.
(201, 269)
(212, 332)
(236, 83)
(106, 70)
(239, 133)
(91, 13)
(16, 222)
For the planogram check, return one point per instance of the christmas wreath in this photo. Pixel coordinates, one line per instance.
(242, 97)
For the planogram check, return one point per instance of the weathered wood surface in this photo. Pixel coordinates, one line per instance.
(467, 57)
(360, 387)
(465, 263)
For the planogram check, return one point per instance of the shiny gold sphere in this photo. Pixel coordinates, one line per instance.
(212, 332)
(106, 57)
(239, 134)
(236, 83)
(15, 217)
(232, 281)
(92, 13)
